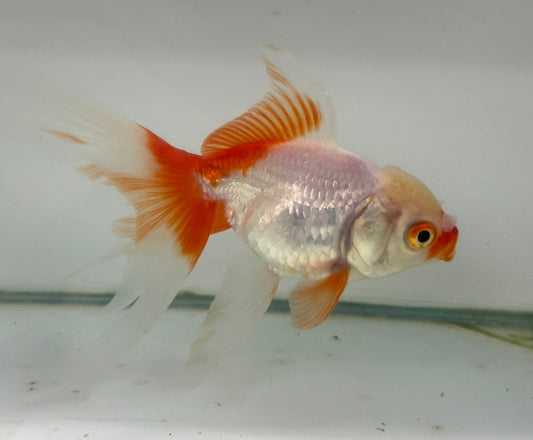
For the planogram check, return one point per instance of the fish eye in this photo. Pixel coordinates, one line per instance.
(421, 235)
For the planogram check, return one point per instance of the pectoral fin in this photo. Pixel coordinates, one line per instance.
(312, 302)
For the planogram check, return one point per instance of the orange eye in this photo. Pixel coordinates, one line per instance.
(421, 235)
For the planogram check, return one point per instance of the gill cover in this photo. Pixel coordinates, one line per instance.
(369, 235)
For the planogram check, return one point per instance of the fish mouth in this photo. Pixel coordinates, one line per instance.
(444, 247)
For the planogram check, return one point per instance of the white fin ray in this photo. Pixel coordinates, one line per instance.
(169, 231)
(100, 138)
(154, 276)
(114, 150)
(244, 296)
(148, 261)
(120, 249)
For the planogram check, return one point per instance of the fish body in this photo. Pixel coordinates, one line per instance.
(304, 206)
(295, 205)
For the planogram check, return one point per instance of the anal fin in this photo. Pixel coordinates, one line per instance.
(312, 302)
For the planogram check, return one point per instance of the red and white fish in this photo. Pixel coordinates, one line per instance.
(305, 207)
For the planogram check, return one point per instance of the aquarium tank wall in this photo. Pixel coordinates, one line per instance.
(441, 90)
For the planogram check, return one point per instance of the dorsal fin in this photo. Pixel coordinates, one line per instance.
(297, 105)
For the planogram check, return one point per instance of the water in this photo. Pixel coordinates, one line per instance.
(442, 90)
(347, 378)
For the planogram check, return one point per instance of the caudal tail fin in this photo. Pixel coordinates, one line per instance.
(172, 221)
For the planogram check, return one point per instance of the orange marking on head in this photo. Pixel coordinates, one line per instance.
(406, 190)
(444, 247)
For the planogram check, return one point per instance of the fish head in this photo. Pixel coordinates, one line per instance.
(402, 225)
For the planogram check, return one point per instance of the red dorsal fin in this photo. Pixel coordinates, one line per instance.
(312, 302)
(297, 105)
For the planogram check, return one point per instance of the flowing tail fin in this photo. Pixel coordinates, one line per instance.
(172, 221)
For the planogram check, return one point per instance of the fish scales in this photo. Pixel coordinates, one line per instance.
(292, 207)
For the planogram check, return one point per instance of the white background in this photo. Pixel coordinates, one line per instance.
(443, 90)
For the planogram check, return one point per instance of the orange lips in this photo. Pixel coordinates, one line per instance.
(444, 247)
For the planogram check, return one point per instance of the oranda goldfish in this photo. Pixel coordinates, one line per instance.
(305, 207)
